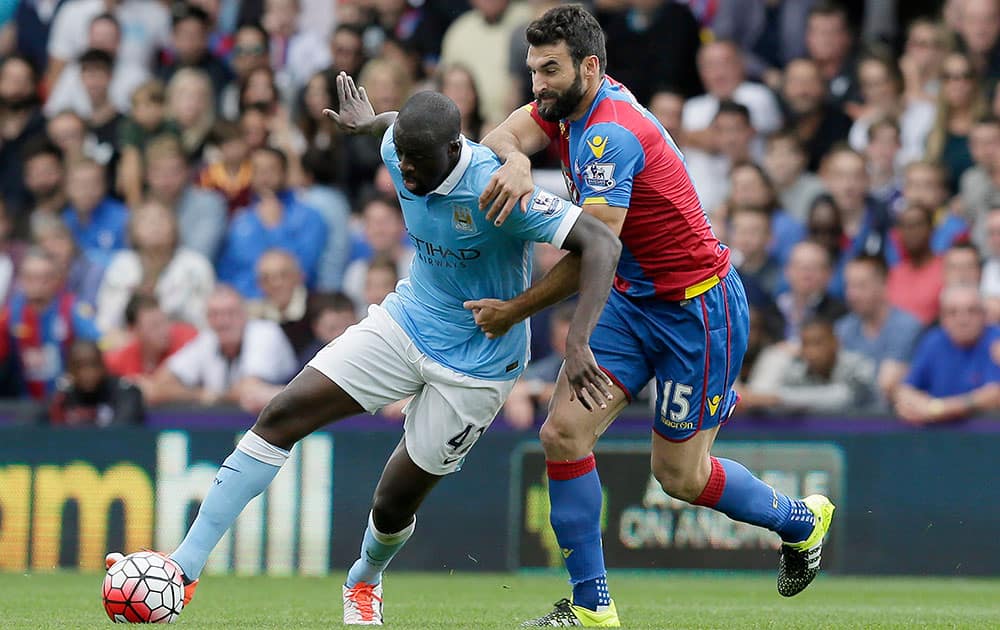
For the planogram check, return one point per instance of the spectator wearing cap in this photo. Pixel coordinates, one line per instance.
(955, 372)
(153, 338)
(276, 219)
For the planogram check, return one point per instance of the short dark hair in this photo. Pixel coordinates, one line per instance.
(276, 152)
(885, 122)
(184, 11)
(136, 304)
(574, 25)
(830, 8)
(97, 57)
(225, 131)
(430, 119)
(732, 107)
(874, 261)
(39, 146)
(968, 246)
(818, 320)
(381, 198)
(336, 302)
(786, 134)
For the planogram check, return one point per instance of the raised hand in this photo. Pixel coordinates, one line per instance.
(356, 113)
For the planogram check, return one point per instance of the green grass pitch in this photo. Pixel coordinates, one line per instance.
(426, 601)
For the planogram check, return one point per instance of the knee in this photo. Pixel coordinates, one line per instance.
(681, 482)
(275, 422)
(563, 439)
(388, 515)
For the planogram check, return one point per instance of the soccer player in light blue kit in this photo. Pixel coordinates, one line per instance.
(421, 341)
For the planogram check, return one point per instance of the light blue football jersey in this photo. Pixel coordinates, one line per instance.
(461, 256)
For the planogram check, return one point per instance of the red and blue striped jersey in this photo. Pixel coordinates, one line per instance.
(618, 154)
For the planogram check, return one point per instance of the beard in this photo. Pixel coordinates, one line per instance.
(19, 103)
(565, 102)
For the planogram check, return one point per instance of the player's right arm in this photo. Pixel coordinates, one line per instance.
(356, 115)
(513, 140)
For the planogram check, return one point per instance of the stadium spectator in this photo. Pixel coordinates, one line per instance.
(818, 124)
(296, 54)
(384, 234)
(104, 34)
(104, 117)
(751, 187)
(960, 103)
(254, 125)
(330, 314)
(824, 227)
(78, 272)
(285, 298)
(822, 378)
(319, 191)
(808, 272)
(954, 373)
(874, 327)
(190, 48)
(785, 162)
(277, 219)
(457, 83)
(881, 152)
(39, 324)
(866, 222)
(962, 265)
(347, 47)
(29, 30)
(45, 181)
(11, 251)
(201, 214)
(667, 104)
(381, 276)
(731, 133)
(180, 278)
(521, 92)
(770, 34)
(480, 38)
(921, 60)
(925, 184)
(144, 27)
(97, 221)
(829, 45)
(978, 30)
(533, 390)
(89, 396)
(22, 120)
(749, 236)
(191, 105)
(146, 121)
(249, 53)
(152, 339)
(230, 173)
(234, 360)
(915, 282)
(259, 89)
(882, 97)
(990, 283)
(720, 66)
(978, 186)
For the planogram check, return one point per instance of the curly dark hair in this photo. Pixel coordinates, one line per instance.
(573, 24)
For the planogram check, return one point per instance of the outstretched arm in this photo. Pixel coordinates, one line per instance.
(356, 115)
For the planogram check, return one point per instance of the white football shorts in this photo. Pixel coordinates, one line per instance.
(377, 364)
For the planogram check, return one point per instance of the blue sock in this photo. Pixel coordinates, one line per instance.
(734, 491)
(575, 498)
(244, 475)
(377, 550)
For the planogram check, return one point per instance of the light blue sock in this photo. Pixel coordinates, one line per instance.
(377, 550)
(244, 475)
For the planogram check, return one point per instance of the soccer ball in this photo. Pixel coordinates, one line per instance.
(143, 587)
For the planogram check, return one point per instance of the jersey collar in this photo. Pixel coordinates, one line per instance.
(449, 183)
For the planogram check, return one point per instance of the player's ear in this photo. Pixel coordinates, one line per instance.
(592, 67)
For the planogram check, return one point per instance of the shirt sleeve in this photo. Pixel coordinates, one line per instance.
(920, 367)
(270, 357)
(186, 363)
(550, 128)
(608, 157)
(549, 219)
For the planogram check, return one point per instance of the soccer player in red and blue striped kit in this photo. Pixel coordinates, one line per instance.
(677, 312)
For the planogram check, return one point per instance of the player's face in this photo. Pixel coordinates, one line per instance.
(556, 81)
(423, 167)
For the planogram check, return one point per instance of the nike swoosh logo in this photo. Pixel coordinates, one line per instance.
(230, 468)
(451, 460)
(407, 197)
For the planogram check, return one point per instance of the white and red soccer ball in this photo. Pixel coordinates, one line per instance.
(143, 587)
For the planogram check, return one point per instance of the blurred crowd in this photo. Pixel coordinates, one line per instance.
(179, 223)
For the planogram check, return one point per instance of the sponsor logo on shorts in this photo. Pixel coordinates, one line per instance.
(713, 404)
(599, 176)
